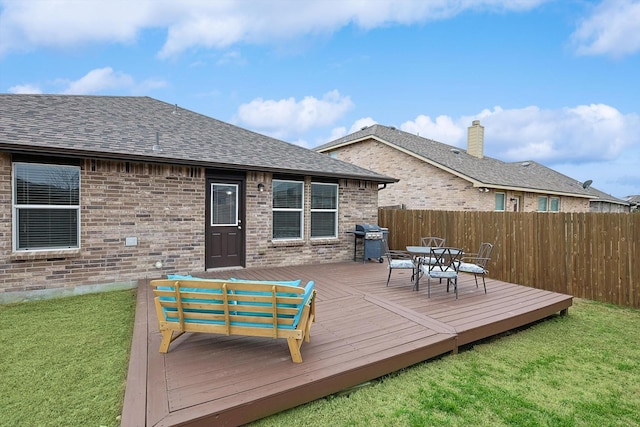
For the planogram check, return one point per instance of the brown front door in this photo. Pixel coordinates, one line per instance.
(225, 222)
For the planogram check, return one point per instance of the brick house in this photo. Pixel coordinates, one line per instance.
(437, 176)
(102, 191)
(603, 202)
(634, 202)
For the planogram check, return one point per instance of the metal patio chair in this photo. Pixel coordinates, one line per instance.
(430, 242)
(445, 266)
(477, 263)
(398, 260)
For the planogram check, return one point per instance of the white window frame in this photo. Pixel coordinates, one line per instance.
(335, 211)
(300, 210)
(504, 202)
(211, 211)
(17, 207)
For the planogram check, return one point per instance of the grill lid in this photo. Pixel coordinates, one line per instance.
(367, 228)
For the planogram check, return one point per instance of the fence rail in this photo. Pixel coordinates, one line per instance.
(587, 255)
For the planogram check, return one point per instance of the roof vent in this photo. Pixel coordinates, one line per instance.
(364, 127)
(392, 127)
(175, 110)
(455, 151)
(525, 164)
(156, 146)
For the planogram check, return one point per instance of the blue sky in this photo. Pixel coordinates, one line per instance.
(557, 82)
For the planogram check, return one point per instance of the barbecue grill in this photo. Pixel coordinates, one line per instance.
(371, 236)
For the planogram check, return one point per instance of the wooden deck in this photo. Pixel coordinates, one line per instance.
(363, 330)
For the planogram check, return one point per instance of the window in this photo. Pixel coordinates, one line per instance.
(543, 201)
(324, 210)
(46, 206)
(500, 201)
(554, 204)
(288, 197)
(224, 204)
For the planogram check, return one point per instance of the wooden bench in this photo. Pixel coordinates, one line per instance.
(235, 307)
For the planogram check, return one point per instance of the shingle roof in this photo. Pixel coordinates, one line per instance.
(483, 172)
(635, 199)
(601, 196)
(126, 128)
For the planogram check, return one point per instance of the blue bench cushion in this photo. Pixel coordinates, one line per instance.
(269, 282)
(308, 290)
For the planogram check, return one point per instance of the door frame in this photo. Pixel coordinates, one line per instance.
(223, 177)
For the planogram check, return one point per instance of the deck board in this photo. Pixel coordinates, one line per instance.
(363, 330)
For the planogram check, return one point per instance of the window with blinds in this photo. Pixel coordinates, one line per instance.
(288, 197)
(324, 210)
(46, 206)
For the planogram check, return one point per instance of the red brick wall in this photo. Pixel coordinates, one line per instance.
(163, 207)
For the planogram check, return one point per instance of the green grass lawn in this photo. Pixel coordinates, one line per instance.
(64, 363)
(578, 370)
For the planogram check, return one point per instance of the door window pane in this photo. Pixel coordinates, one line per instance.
(224, 204)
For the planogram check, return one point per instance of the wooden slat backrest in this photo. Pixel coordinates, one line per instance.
(231, 302)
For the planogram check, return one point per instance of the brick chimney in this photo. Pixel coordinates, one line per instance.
(475, 139)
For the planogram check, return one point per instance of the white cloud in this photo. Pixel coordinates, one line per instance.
(593, 141)
(443, 129)
(25, 25)
(618, 177)
(584, 133)
(99, 80)
(613, 29)
(25, 89)
(289, 116)
(341, 131)
(28, 24)
(146, 86)
(360, 123)
(235, 58)
(336, 133)
(595, 132)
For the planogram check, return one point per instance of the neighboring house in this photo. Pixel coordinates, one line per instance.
(103, 191)
(433, 175)
(603, 202)
(634, 202)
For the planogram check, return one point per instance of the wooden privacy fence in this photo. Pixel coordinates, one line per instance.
(587, 255)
